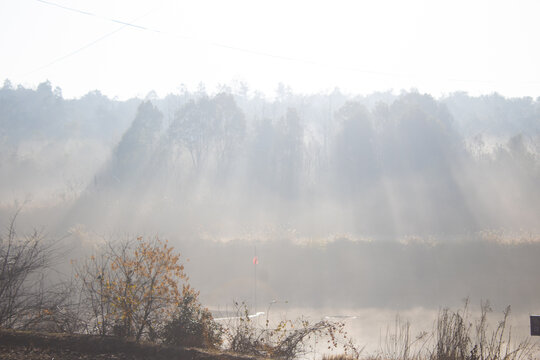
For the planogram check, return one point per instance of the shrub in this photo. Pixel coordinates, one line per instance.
(192, 325)
(131, 288)
(288, 339)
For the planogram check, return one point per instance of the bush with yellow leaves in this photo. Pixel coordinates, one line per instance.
(132, 288)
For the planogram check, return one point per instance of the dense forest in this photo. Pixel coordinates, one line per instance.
(381, 165)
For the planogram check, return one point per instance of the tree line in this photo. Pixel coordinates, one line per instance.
(383, 163)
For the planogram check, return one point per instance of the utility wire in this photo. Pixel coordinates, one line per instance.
(132, 24)
(57, 60)
(145, 28)
(183, 37)
(103, 37)
(98, 16)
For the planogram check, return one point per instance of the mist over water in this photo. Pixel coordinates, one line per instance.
(382, 201)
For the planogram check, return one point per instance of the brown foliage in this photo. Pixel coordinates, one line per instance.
(132, 288)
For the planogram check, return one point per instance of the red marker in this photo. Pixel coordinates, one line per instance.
(255, 260)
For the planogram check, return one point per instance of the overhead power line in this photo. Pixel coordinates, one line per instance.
(132, 24)
(63, 57)
(93, 42)
(145, 28)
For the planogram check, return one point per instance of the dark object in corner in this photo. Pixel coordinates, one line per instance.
(535, 325)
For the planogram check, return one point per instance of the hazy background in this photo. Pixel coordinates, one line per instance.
(385, 200)
(281, 129)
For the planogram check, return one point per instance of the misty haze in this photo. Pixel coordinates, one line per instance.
(386, 220)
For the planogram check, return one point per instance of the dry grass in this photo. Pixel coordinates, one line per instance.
(456, 336)
(339, 357)
(459, 338)
(287, 339)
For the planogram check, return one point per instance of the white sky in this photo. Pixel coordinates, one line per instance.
(360, 46)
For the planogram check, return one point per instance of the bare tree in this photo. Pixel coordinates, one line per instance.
(24, 296)
(92, 277)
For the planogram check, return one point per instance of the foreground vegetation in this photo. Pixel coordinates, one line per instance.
(457, 336)
(136, 291)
